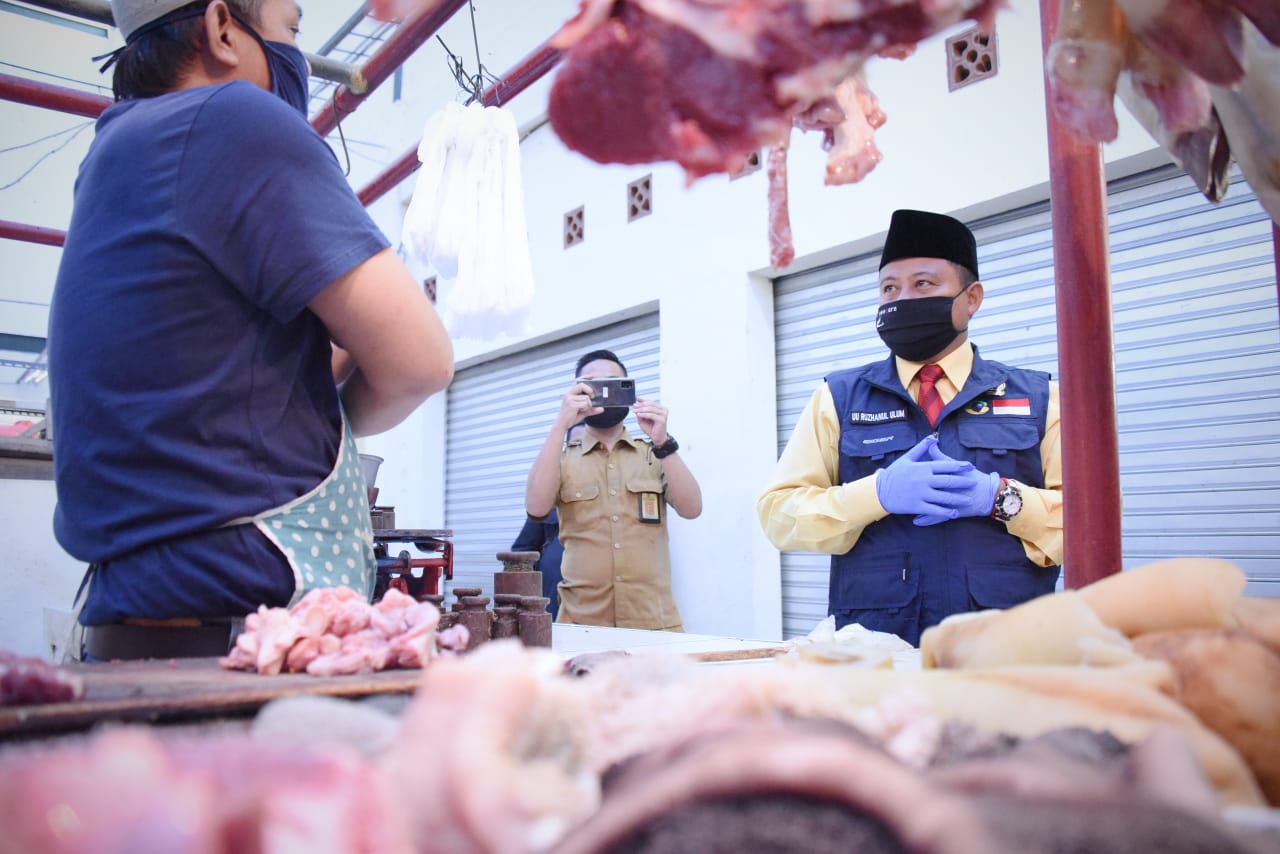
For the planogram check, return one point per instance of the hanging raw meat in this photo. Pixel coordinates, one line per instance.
(781, 250)
(1173, 105)
(1250, 113)
(1201, 76)
(852, 152)
(705, 84)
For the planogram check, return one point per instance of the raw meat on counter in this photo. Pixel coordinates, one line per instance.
(502, 751)
(334, 631)
(130, 790)
(29, 680)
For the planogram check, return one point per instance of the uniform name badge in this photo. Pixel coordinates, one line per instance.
(650, 507)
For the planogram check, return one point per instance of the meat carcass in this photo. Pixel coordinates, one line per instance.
(705, 84)
(1202, 35)
(816, 787)
(1174, 106)
(1250, 114)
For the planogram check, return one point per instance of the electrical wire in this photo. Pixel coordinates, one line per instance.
(56, 76)
(44, 138)
(46, 156)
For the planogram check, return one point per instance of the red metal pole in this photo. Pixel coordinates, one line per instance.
(408, 38)
(52, 97)
(31, 233)
(1082, 273)
(518, 78)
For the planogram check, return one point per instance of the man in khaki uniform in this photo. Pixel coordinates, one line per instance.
(612, 492)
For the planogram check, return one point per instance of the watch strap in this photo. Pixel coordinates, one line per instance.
(667, 448)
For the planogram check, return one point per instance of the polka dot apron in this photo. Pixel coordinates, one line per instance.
(326, 534)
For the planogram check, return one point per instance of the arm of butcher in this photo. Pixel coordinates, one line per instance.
(1082, 65)
(378, 313)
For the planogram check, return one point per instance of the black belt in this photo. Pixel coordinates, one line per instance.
(124, 642)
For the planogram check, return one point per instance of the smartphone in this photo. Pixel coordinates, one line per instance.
(612, 391)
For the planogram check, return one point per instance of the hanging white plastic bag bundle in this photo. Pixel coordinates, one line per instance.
(435, 152)
(495, 282)
(467, 220)
(458, 227)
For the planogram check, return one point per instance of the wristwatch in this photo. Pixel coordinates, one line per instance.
(667, 448)
(1008, 501)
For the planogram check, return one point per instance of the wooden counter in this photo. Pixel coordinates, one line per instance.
(167, 690)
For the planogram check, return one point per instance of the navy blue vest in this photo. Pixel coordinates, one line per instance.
(902, 578)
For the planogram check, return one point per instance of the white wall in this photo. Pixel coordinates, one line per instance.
(37, 574)
(703, 255)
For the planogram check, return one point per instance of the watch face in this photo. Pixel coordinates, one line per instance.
(1010, 502)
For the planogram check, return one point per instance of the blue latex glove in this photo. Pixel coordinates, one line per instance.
(919, 485)
(978, 489)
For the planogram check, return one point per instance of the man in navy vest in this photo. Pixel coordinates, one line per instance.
(933, 478)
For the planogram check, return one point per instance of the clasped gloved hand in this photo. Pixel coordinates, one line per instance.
(977, 488)
(923, 486)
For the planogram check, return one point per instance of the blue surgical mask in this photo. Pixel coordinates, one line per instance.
(288, 74)
(288, 67)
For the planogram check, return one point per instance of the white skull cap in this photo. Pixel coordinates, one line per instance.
(132, 14)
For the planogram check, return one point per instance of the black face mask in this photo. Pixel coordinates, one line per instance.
(917, 329)
(611, 417)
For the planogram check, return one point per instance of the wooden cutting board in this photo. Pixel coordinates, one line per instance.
(193, 688)
(150, 691)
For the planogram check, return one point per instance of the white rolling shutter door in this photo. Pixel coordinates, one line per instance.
(499, 413)
(1197, 366)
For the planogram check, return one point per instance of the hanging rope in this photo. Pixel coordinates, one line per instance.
(473, 85)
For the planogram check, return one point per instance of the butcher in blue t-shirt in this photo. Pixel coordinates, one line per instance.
(215, 257)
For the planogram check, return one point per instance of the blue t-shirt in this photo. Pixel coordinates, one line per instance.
(190, 383)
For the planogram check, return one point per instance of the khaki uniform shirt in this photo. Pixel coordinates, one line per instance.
(807, 508)
(613, 525)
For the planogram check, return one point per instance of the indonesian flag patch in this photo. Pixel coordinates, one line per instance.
(1011, 406)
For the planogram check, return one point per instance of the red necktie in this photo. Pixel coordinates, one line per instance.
(929, 399)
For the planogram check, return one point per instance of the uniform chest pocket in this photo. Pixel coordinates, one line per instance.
(865, 449)
(1002, 443)
(571, 493)
(646, 492)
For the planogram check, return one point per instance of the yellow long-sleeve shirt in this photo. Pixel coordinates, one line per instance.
(807, 508)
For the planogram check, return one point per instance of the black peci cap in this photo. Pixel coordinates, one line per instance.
(921, 234)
